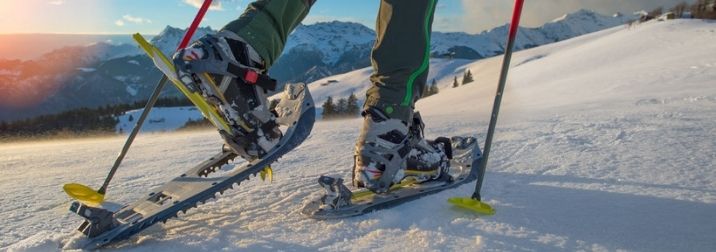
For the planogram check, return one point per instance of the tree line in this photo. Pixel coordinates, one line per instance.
(343, 108)
(466, 78)
(701, 9)
(81, 120)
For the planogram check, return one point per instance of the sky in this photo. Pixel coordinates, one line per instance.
(151, 16)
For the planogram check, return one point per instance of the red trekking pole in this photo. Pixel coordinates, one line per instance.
(474, 203)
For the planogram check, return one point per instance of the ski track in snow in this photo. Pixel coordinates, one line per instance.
(587, 156)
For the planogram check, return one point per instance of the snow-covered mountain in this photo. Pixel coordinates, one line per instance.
(169, 38)
(324, 49)
(605, 143)
(328, 48)
(491, 42)
(333, 39)
(31, 45)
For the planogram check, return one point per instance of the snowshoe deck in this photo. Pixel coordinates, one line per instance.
(463, 170)
(296, 111)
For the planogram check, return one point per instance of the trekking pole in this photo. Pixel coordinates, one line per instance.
(474, 203)
(82, 192)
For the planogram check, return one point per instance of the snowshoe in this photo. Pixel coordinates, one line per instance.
(338, 201)
(295, 113)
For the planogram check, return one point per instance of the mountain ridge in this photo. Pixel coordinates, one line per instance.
(104, 73)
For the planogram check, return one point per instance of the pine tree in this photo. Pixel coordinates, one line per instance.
(655, 13)
(455, 83)
(342, 107)
(467, 78)
(431, 89)
(352, 105)
(329, 109)
(679, 9)
(434, 89)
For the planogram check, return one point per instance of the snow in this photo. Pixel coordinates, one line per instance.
(121, 78)
(333, 39)
(86, 69)
(357, 82)
(131, 90)
(491, 42)
(159, 119)
(605, 142)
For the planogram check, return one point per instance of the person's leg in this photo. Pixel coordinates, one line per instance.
(400, 56)
(266, 24)
(400, 60)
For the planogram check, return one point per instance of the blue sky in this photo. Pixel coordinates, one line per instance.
(150, 16)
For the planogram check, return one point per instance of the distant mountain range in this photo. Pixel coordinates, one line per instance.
(109, 73)
(34, 45)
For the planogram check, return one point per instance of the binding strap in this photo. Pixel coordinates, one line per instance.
(252, 77)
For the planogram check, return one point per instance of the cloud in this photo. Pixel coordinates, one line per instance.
(136, 20)
(131, 19)
(446, 23)
(215, 5)
(480, 15)
(56, 2)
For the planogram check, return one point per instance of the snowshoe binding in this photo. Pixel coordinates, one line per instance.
(388, 151)
(231, 76)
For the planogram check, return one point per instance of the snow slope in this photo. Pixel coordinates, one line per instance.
(159, 119)
(605, 142)
(357, 82)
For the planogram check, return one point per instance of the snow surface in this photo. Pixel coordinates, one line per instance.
(357, 82)
(605, 142)
(86, 69)
(159, 119)
(131, 90)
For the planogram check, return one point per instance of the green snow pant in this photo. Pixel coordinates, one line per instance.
(400, 56)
